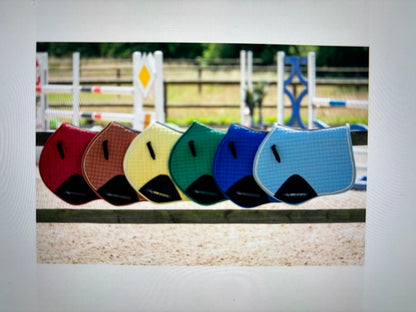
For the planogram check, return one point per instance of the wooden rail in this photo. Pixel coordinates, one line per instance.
(233, 82)
(120, 74)
(206, 216)
(231, 216)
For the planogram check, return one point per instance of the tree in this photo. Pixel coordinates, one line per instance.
(325, 55)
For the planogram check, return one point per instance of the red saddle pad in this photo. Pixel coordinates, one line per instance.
(60, 164)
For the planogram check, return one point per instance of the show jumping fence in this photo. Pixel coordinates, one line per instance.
(193, 73)
(147, 71)
(315, 101)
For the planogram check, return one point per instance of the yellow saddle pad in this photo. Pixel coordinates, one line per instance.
(146, 164)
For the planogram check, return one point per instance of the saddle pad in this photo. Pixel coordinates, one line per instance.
(233, 166)
(60, 164)
(146, 164)
(297, 165)
(102, 165)
(190, 163)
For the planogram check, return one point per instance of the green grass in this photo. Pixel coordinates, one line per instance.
(220, 120)
(57, 98)
(268, 120)
(217, 94)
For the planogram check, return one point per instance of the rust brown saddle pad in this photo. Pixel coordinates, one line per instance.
(60, 164)
(102, 165)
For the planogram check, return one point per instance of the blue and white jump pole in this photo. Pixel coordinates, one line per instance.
(314, 101)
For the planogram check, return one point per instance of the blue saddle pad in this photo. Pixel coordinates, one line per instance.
(233, 166)
(297, 165)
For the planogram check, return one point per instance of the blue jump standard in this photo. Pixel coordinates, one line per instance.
(295, 62)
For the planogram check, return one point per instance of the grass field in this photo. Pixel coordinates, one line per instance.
(218, 104)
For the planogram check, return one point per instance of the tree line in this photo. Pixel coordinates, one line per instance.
(325, 55)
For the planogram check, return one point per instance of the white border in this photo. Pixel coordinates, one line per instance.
(386, 282)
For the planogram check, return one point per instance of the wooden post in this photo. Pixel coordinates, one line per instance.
(118, 74)
(199, 78)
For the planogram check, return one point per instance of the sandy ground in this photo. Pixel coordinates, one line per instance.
(203, 244)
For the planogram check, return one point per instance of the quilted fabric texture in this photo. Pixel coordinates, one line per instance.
(146, 164)
(297, 165)
(60, 164)
(102, 165)
(191, 161)
(233, 166)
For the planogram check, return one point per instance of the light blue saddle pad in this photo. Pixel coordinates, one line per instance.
(296, 165)
(233, 166)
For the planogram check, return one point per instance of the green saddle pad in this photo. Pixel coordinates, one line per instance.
(191, 163)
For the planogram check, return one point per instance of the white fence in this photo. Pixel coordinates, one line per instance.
(147, 75)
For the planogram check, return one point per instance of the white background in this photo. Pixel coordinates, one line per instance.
(385, 282)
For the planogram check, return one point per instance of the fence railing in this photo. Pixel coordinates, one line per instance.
(198, 74)
(211, 216)
(199, 83)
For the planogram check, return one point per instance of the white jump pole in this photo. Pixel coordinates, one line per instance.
(242, 84)
(280, 87)
(137, 96)
(92, 115)
(75, 88)
(250, 70)
(343, 103)
(41, 123)
(108, 90)
(311, 88)
(159, 88)
(314, 101)
(60, 88)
